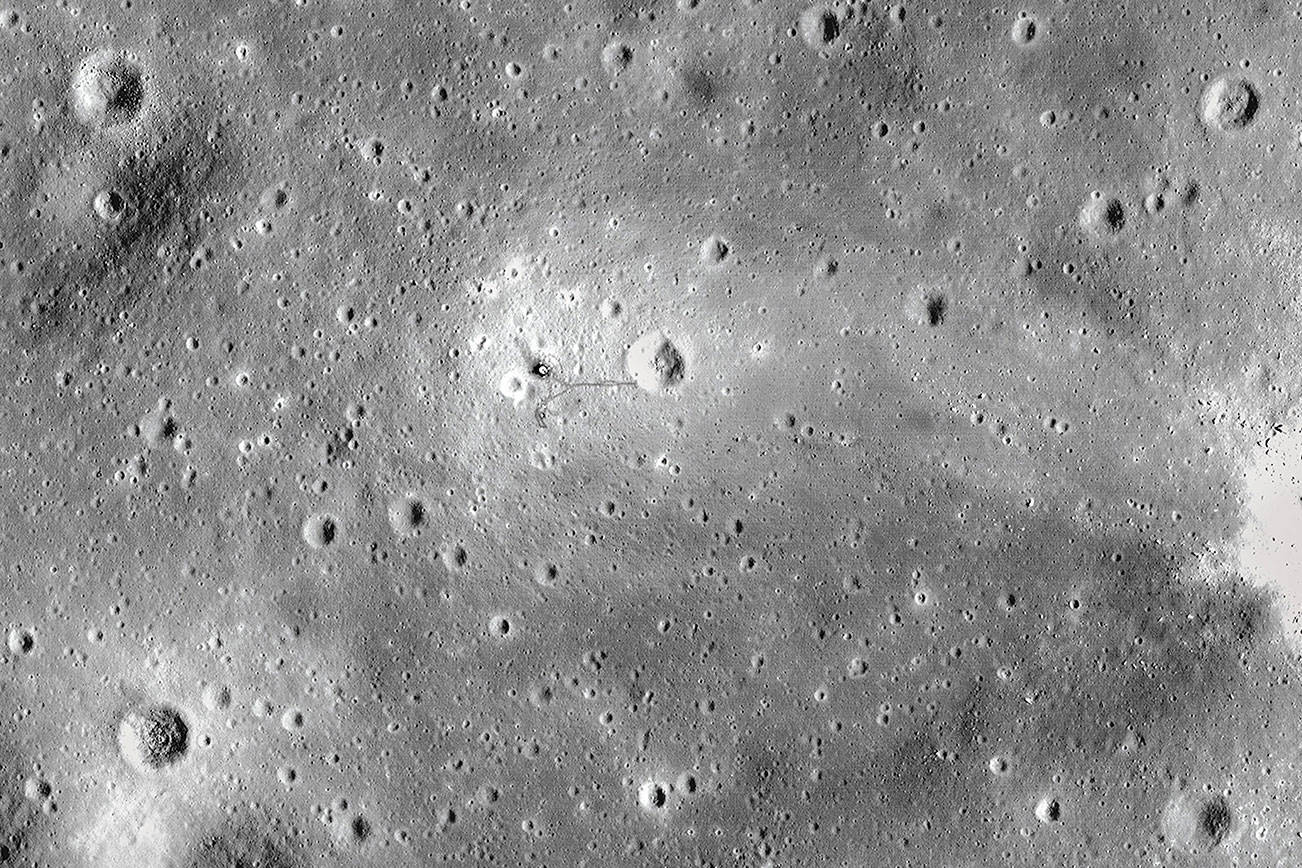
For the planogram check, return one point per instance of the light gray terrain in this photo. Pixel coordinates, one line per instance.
(628, 432)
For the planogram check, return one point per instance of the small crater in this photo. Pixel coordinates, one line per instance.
(36, 789)
(1025, 30)
(216, 697)
(617, 56)
(372, 149)
(292, 719)
(541, 696)
(1048, 810)
(360, 828)
(1102, 216)
(274, 198)
(500, 627)
(454, 557)
(547, 575)
(110, 206)
(819, 26)
(406, 514)
(653, 796)
(21, 640)
(517, 385)
(320, 530)
(158, 426)
(999, 766)
(715, 250)
(825, 267)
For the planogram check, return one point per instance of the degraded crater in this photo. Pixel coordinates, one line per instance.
(715, 249)
(1197, 822)
(406, 514)
(617, 56)
(929, 306)
(517, 385)
(1102, 216)
(216, 696)
(1025, 30)
(320, 530)
(655, 362)
(153, 736)
(360, 828)
(1229, 104)
(653, 796)
(819, 26)
(110, 206)
(107, 89)
(21, 640)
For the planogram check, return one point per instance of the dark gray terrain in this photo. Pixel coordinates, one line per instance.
(632, 432)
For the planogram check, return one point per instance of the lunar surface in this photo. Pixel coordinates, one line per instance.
(650, 432)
